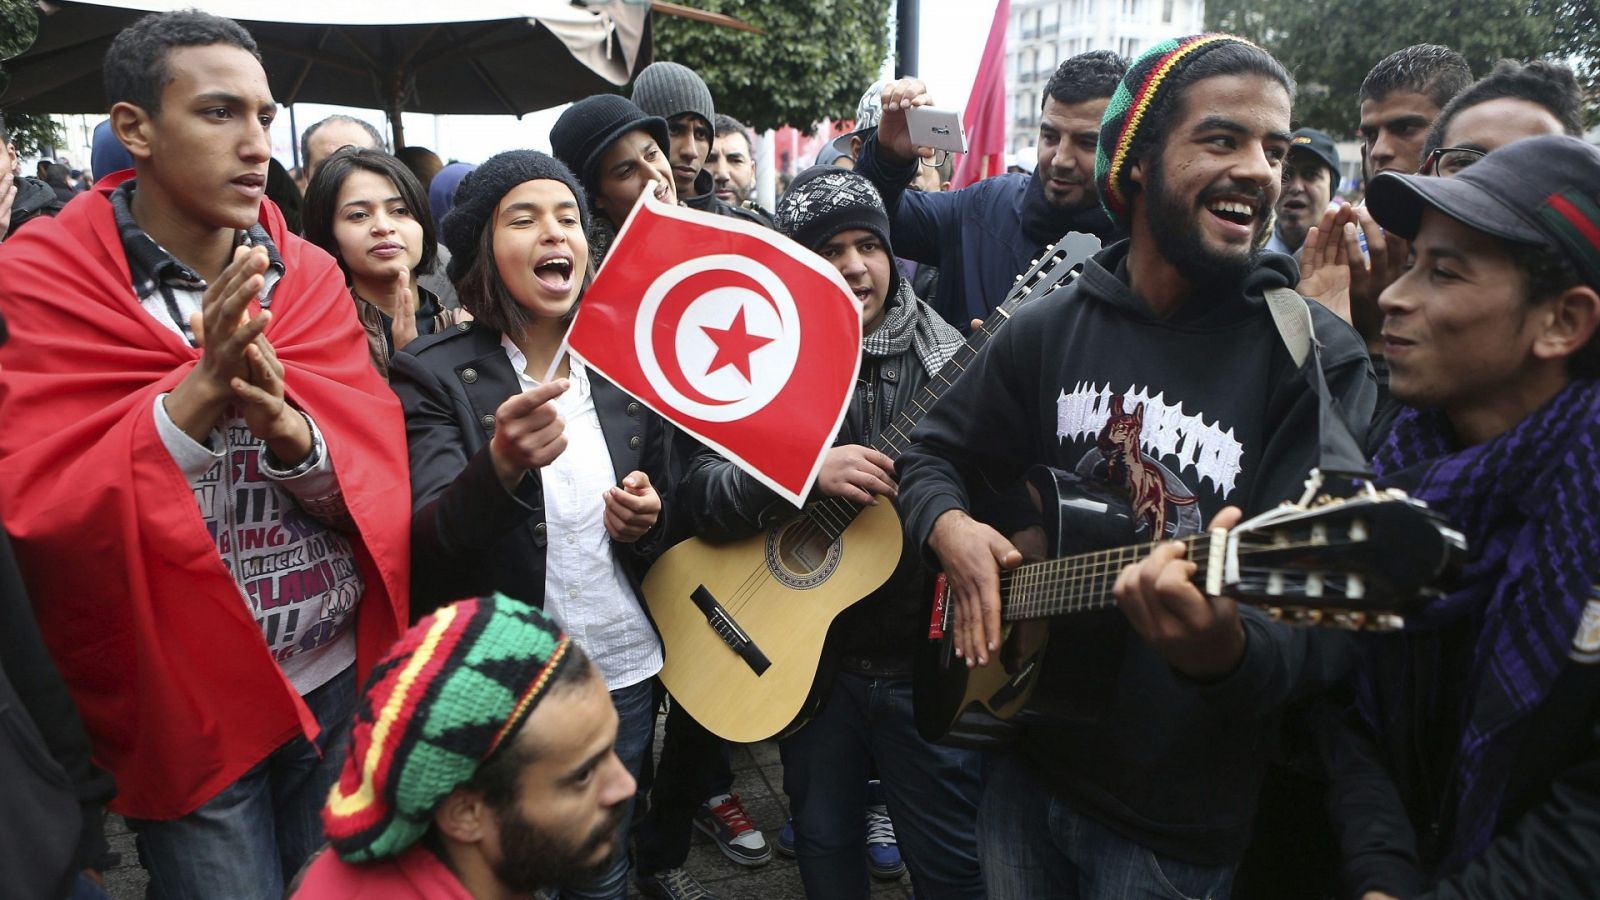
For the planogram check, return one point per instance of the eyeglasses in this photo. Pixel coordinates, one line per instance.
(1447, 162)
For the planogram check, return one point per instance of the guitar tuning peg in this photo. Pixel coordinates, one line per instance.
(1019, 278)
(1049, 247)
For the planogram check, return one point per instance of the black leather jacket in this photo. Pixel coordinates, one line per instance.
(469, 536)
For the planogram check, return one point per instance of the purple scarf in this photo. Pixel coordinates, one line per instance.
(1529, 504)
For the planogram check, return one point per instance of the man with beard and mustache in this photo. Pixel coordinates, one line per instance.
(985, 235)
(1161, 375)
(482, 765)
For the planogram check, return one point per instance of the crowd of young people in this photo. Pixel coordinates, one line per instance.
(338, 578)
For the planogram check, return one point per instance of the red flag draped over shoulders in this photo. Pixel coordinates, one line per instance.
(170, 672)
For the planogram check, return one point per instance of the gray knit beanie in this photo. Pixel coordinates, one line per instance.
(667, 89)
(480, 193)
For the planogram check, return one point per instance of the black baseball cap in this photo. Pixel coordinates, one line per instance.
(1543, 191)
(1317, 142)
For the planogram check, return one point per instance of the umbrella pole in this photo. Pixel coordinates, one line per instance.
(396, 106)
(294, 138)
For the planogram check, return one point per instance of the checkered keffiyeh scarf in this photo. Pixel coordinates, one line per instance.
(1529, 504)
(909, 322)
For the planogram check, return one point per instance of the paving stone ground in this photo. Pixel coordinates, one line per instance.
(758, 779)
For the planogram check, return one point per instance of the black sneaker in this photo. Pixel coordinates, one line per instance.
(672, 884)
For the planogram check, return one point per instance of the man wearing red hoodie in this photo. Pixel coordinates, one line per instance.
(199, 469)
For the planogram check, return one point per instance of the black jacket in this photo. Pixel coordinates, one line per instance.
(705, 199)
(724, 503)
(1224, 418)
(468, 535)
(1388, 793)
(52, 797)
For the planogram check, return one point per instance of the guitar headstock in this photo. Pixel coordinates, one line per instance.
(1360, 562)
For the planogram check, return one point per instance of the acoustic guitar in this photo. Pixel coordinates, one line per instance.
(743, 622)
(1361, 562)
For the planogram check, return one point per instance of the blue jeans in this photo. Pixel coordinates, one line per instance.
(636, 724)
(932, 793)
(251, 839)
(1034, 845)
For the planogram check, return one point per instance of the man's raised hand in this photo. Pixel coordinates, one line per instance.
(894, 137)
(223, 331)
(261, 403)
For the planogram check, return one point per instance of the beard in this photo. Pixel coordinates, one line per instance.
(1175, 225)
(532, 859)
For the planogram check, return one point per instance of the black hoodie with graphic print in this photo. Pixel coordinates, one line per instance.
(1220, 416)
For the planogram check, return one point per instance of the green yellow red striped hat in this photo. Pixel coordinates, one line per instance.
(1130, 105)
(451, 692)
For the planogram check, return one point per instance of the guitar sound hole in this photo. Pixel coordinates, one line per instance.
(803, 550)
(800, 555)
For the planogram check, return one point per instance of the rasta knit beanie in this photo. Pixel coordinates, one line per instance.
(480, 192)
(1143, 89)
(454, 689)
(589, 127)
(667, 89)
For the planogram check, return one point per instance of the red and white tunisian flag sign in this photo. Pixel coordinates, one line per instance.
(738, 335)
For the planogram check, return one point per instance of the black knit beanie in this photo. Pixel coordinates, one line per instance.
(589, 127)
(480, 193)
(667, 89)
(825, 200)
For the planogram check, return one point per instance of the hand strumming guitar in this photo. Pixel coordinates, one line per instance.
(1198, 635)
(972, 555)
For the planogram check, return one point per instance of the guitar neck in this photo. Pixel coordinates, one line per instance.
(1055, 268)
(1082, 583)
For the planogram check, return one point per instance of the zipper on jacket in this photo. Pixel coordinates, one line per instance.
(871, 417)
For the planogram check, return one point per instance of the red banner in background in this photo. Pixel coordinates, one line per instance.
(984, 120)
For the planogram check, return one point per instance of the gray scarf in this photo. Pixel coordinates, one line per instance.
(909, 322)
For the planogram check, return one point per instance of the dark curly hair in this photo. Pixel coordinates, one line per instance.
(1087, 76)
(1547, 84)
(318, 211)
(136, 69)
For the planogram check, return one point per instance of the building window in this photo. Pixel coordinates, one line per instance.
(1166, 11)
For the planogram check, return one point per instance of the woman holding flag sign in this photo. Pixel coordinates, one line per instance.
(532, 475)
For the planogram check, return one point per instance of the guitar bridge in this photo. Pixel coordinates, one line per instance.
(729, 630)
